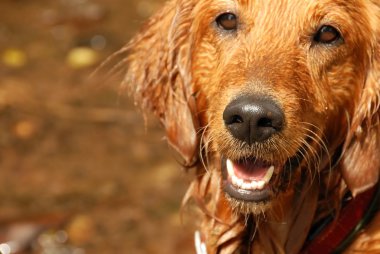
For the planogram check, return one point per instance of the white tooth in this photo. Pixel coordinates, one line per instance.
(254, 185)
(268, 175)
(230, 167)
(235, 180)
(260, 185)
(246, 186)
(239, 182)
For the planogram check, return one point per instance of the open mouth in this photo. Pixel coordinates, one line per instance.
(249, 180)
(256, 181)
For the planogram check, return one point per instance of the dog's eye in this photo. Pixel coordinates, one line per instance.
(227, 21)
(327, 35)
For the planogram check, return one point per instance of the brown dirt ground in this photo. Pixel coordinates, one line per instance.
(75, 157)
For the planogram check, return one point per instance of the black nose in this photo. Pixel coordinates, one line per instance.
(253, 119)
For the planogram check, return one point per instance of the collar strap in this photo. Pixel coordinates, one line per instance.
(356, 214)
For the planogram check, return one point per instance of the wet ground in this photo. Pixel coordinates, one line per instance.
(79, 172)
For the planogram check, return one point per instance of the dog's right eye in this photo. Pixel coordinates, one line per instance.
(227, 21)
(327, 35)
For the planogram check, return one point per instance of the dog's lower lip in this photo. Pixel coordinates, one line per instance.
(247, 195)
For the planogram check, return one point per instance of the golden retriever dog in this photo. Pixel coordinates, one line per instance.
(275, 103)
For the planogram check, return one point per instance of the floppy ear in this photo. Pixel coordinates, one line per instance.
(158, 75)
(361, 159)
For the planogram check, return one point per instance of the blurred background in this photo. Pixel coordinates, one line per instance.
(79, 172)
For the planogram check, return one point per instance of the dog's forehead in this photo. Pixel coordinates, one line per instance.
(293, 4)
(286, 19)
(283, 10)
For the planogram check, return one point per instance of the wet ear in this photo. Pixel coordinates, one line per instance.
(159, 77)
(361, 158)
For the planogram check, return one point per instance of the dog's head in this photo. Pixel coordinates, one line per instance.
(282, 89)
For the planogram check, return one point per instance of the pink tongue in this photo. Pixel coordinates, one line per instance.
(250, 170)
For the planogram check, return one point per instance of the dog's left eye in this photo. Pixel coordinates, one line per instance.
(227, 21)
(327, 35)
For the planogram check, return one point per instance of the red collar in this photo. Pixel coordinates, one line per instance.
(340, 232)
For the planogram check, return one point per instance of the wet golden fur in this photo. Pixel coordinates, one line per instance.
(185, 70)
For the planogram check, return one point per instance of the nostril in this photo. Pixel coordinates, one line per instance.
(234, 119)
(265, 122)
